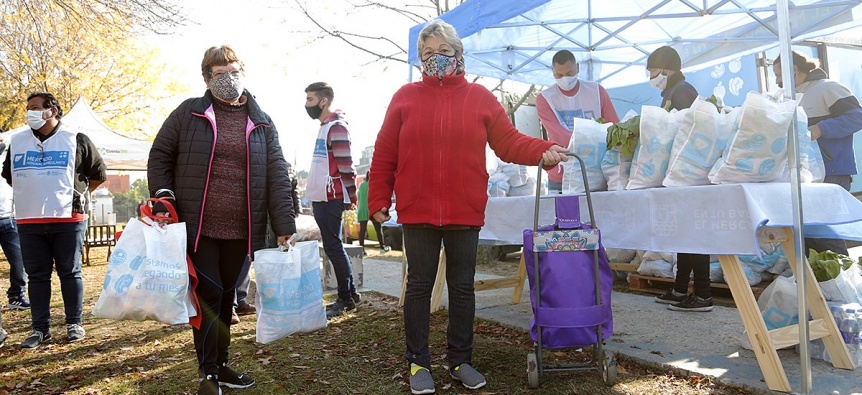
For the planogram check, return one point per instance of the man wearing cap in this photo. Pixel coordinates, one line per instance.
(663, 66)
(568, 99)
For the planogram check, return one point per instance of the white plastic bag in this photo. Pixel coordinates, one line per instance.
(616, 167)
(843, 289)
(757, 151)
(148, 276)
(778, 304)
(811, 166)
(652, 154)
(698, 143)
(657, 268)
(589, 141)
(289, 293)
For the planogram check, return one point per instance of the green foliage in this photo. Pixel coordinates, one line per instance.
(126, 203)
(56, 52)
(625, 134)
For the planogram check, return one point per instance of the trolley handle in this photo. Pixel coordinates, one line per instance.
(586, 191)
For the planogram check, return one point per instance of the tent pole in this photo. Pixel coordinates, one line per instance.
(787, 76)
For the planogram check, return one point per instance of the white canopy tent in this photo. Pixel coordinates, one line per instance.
(611, 39)
(119, 152)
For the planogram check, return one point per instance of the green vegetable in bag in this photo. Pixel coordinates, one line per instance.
(827, 265)
(625, 134)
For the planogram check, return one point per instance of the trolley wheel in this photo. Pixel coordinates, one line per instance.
(609, 368)
(532, 371)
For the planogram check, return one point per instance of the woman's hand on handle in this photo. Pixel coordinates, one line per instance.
(555, 155)
(381, 216)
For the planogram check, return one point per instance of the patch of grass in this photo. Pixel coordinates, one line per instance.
(360, 353)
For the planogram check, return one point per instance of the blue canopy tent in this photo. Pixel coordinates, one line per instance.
(611, 39)
(516, 39)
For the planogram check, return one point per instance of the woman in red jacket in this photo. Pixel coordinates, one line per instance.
(431, 152)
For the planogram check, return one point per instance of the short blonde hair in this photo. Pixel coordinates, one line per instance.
(218, 56)
(438, 28)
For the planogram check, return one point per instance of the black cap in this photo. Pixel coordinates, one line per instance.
(665, 58)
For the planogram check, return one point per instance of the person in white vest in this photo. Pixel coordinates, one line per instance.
(331, 189)
(12, 247)
(570, 98)
(50, 170)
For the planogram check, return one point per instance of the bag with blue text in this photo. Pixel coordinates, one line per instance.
(289, 295)
(568, 254)
(148, 275)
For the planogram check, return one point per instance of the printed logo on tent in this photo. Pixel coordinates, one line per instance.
(41, 160)
(663, 220)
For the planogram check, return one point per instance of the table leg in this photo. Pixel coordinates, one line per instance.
(818, 308)
(522, 276)
(403, 273)
(761, 342)
(439, 282)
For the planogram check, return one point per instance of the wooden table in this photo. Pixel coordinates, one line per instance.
(724, 220)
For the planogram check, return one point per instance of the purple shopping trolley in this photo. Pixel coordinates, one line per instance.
(570, 287)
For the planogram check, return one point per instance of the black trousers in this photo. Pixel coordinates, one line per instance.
(218, 264)
(363, 229)
(685, 265)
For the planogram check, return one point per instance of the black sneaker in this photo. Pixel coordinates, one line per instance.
(35, 339)
(670, 297)
(340, 307)
(209, 386)
(692, 303)
(3, 336)
(356, 297)
(19, 303)
(232, 379)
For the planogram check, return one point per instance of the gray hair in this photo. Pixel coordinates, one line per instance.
(438, 28)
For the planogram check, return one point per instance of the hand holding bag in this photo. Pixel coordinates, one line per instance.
(289, 295)
(148, 275)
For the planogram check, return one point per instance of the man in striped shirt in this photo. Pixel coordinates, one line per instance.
(331, 189)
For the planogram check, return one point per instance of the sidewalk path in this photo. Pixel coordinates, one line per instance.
(704, 343)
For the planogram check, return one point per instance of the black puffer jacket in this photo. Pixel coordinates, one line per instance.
(180, 160)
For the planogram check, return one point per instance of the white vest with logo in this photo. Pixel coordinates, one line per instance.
(43, 174)
(586, 104)
(319, 181)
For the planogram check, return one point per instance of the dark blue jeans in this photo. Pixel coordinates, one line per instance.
(44, 246)
(423, 251)
(12, 249)
(328, 218)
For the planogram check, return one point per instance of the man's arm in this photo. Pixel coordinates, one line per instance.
(7, 169)
(339, 139)
(609, 113)
(92, 165)
(557, 133)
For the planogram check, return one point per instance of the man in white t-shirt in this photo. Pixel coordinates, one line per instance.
(568, 99)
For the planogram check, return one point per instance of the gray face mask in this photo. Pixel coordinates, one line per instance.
(227, 87)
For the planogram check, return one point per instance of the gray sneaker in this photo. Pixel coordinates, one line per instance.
(75, 333)
(468, 376)
(421, 381)
(35, 339)
(3, 336)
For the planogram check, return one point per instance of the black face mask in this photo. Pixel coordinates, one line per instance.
(314, 111)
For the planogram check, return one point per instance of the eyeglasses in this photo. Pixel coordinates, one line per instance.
(233, 73)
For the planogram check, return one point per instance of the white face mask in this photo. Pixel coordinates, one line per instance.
(34, 119)
(567, 83)
(659, 82)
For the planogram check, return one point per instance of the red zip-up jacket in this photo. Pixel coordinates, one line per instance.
(431, 151)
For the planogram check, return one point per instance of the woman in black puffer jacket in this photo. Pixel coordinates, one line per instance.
(218, 157)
